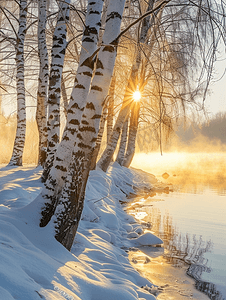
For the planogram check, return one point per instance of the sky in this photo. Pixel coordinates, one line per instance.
(216, 100)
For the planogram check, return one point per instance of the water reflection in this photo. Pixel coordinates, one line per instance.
(179, 249)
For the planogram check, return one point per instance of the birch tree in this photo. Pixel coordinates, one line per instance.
(110, 115)
(69, 209)
(78, 95)
(41, 113)
(133, 127)
(108, 153)
(63, 157)
(123, 142)
(99, 136)
(55, 77)
(19, 142)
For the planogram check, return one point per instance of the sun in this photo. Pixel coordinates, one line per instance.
(137, 96)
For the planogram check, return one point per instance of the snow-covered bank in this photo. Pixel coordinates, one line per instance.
(33, 265)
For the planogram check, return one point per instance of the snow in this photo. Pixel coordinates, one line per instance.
(33, 265)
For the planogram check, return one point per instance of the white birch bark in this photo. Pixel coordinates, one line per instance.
(133, 127)
(110, 116)
(64, 96)
(41, 112)
(103, 20)
(99, 137)
(54, 94)
(123, 141)
(58, 172)
(19, 142)
(81, 88)
(72, 197)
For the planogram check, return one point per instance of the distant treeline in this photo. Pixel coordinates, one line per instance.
(215, 128)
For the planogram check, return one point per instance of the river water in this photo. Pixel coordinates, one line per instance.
(192, 222)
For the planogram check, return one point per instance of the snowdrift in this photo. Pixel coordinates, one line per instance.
(34, 266)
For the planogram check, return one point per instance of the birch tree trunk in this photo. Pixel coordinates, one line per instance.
(63, 157)
(106, 115)
(110, 116)
(41, 112)
(123, 141)
(19, 142)
(71, 202)
(133, 127)
(99, 138)
(64, 96)
(108, 153)
(54, 95)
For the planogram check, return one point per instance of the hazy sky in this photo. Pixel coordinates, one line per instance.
(216, 101)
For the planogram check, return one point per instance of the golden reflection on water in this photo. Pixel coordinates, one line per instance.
(191, 172)
(166, 267)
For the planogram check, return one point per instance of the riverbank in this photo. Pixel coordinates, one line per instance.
(34, 265)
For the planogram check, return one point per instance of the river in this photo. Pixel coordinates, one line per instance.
(192, 222)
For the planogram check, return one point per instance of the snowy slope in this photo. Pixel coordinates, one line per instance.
(33, 265)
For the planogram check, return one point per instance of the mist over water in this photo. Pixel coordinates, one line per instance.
(192, 171)
(193, 214)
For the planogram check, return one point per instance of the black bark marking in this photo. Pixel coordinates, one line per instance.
(99, 74)
(87, 128)
(90, 30)
(96, 88)
(72, 130)
(55, 138)
(58, 159)
(80, 86)
(79, 136)
(81, 145)
(87, 74)
(51, 144)
(96, 117)
(61, 168)
(88, 40)
(90, 105)
(70, 111)
(61, 19)
(65, 138)
(88, 63)
(74, 122)
(99, 64)
(109, 48)
(75, 105)
(113, 15)
(96, 12)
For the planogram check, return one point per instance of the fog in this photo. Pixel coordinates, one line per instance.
(192, 171)
(8, 132)
(188, 163)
